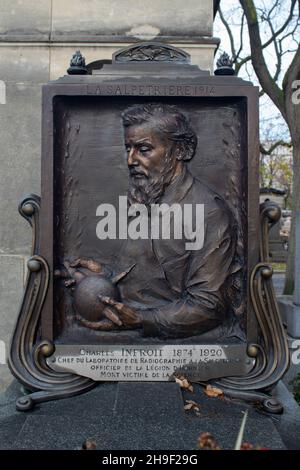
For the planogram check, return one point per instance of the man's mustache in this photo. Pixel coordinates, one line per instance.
(134, 172)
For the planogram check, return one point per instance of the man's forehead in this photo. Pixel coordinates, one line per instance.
(146, 131)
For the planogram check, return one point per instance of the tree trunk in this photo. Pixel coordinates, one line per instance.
(289, 280)
(283, 99)
(292, 115)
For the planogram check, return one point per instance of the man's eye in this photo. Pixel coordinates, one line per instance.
(127, 149)
(144, 149)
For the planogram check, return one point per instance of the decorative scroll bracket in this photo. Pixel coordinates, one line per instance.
(151, 52)
(271, 353)
(27, 360)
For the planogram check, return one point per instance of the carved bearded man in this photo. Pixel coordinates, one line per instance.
(172, 292)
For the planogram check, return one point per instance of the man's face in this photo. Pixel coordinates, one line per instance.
(146, 151)
(151, 162)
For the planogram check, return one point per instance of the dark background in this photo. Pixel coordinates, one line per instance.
(90, 169)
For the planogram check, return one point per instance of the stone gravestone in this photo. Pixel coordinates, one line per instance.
(150, 256)
(278, 244)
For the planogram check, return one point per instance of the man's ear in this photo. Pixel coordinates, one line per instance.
(180, 151)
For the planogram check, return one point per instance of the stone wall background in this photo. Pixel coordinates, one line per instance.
(37, 40)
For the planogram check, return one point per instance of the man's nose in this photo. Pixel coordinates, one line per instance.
(132, 158)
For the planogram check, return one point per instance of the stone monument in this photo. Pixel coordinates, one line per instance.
(147, 261)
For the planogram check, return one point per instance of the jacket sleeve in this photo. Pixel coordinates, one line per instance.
(202, 303)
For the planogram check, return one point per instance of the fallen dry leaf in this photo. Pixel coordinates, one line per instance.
(191, 405)
(187, 407)
(248, 446)
(184, 383)
(206, 441)
(211, 391)
(89, 444)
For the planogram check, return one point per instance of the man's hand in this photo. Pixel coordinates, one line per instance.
(120, 314)
(102, 325)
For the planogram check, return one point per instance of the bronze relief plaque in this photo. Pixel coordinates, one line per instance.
(116, 160)
(148, 261)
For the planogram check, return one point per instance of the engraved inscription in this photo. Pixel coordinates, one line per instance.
(151, 90)
(151, 363)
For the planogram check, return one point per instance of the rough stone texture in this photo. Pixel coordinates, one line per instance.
(132, 416)
(24, 63)
(8, 399)
(290, 315)
(23, 70)
(10, 427)
(132, 18)
(202, 55)
(11, 286)
(20, 137)
(76, 20)
(25, 20)
(136, 399)
(288, 424)
(291, 373)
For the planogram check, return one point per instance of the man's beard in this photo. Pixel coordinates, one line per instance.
(149, 190)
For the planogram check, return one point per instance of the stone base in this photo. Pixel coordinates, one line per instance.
(12, 268)
(290, 314)
(129, 416)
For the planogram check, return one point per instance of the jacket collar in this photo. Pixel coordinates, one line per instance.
(177, 190)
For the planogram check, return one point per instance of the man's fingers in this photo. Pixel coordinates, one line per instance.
(105, 325)
(121, 308)
(107, 300)
(112, 316)
(127, 314)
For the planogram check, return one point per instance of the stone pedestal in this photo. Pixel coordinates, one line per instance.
(132, 416)
(296, 299)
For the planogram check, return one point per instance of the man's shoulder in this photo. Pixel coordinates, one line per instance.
(201, 193)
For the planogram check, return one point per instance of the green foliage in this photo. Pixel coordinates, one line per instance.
(276, 170)
(279, 266)
(296, 387)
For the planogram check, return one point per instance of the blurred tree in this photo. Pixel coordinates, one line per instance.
(266, 34)
(276, 168)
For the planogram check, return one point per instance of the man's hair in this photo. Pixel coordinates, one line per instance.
(168, 120)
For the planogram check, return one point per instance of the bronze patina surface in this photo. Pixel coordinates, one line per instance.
(170, 291)
(155, 130)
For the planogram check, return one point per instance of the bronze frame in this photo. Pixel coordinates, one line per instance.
(271, 353)
(207, 86)
(32, 341)
(27, 360)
